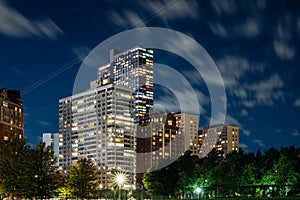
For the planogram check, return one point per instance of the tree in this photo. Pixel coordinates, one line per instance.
(16, 172)
(285, 175)
(82, 178)
(45, 170)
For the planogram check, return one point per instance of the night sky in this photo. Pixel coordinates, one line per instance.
(254, 45)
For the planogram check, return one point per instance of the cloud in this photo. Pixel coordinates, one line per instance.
(232, 69)
(283, 42)
(232, 121)
(177, 93)
(44, 123)
(278, 130)
(266, 91)
(218, 29)
(284, 50)
(163, 10)
(246, 132)
(296, 133)
(14, 24)
(297, 103)
(243, 145)
(224, 7)
(171, 10)
(259, 143)
(126, 19)
(298, 24)
(235, 69)
(17, 71)
(249, 28)
(81, 52)
(244, 112)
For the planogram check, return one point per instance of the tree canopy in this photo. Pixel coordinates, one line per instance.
(82, 178)
(272, 173)
(26, 172)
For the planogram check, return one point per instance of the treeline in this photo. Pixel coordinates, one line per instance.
(272, 173)
(27, 172)
(31, 173)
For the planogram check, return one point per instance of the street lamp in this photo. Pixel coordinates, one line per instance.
(120, 179)
(198, 190)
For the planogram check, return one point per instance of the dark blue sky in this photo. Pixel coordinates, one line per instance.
(254, 44)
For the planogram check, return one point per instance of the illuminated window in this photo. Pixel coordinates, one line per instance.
(170, 122)
(5, 138)
(5, 104)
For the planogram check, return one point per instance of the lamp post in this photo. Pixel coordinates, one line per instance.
(198, 190)
(120, 179)
(100, 190)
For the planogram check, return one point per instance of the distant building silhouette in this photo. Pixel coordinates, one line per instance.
(52, 139)
(163, 138)
(221, 137)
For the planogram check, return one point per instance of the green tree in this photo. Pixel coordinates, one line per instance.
(82, 178)
(285, 175)
(45, 170)
(16, 172)
(233, 164)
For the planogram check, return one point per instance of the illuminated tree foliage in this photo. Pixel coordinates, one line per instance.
(272, 173)
(82, 179)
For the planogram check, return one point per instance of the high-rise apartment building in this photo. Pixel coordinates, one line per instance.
(11, 115)
(100, 123)
(163, 138)
(97, 124)
(221, 137)
(52, 139)
(132, 68)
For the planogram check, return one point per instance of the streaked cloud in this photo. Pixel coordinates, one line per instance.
(243, 146)
(232, 121)
(224, 7)
(297, 102)
(17, 71)
(244, 112)
(259, 142)
(278, 130)
(284, 50)
(296, 133)
(218, 29)
(81, 51)
(14, 24)
(171, 10)
(246, 132)
(44, 123)
(248, 28)
(233, 68)
(298, 24)
(283, 42)
(164, 10)
(265, 92)
(126, 19)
